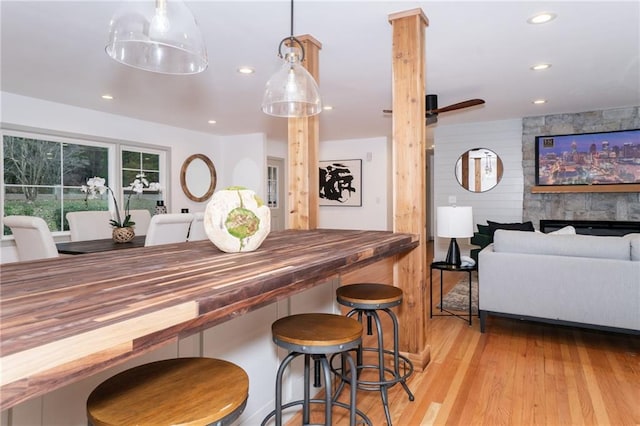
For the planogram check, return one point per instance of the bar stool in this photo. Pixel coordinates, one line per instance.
(367, 299)
(315, 336)
(185, 391)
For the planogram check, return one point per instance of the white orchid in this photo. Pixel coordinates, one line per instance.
(139, 183)
(96, 185)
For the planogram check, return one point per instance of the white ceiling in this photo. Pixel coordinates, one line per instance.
(54, 50)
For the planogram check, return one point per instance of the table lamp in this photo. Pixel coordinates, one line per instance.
(454, 222)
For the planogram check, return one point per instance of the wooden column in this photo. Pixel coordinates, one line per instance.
(477, 174)
(304, 134)
(409, 177)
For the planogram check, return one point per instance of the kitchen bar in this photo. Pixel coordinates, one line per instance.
(68, 318)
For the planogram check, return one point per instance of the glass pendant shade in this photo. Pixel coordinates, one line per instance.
(292, 91)
(161, 36)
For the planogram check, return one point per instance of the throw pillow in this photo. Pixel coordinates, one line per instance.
(483, 229)
(567, 230)
(526, 226)
(481, 240)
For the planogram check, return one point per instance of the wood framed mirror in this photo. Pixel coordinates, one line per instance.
(479, 170)
(198, 177)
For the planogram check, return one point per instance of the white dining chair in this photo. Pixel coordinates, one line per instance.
(32, 236)
(168, 228)
(196, 232)
(142, 218)
(89, 225)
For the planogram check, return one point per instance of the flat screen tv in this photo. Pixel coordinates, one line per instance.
(604, 158)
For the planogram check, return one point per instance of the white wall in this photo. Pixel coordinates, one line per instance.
(245, 159)
(375, 212)
(37, 113)
(503, 203)
(278, 148)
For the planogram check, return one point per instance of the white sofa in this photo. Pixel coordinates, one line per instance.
(582, 280)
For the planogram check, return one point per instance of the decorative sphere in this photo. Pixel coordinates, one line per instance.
(237, 220)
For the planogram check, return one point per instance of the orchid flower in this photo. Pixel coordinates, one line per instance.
(96, 185)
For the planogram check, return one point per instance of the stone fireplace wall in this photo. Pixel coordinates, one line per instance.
(576, 206)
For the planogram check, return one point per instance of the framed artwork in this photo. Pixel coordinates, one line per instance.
(341, 183)
(603, 158)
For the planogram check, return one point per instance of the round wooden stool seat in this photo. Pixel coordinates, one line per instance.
(369, 296)
(317, 333)
(185, 391)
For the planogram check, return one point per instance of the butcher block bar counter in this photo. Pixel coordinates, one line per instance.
(68, 318)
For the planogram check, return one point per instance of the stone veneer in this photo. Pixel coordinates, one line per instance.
(576, 206)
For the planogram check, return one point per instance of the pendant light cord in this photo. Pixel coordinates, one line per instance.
(292, 40)
(292, 20)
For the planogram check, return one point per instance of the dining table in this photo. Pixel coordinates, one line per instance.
(67, 318)
(97, 246)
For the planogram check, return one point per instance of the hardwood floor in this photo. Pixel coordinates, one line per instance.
(517, 373)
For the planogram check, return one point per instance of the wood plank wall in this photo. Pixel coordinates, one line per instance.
(503, 203)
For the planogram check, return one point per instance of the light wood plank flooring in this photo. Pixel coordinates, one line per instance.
(517, 373)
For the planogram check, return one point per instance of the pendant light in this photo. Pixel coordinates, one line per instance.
(292, 91)
(161, 36)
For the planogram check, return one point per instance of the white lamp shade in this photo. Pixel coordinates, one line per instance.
(454, 222)
(159, 36)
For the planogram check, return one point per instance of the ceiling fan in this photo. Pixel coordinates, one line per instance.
(432, 109)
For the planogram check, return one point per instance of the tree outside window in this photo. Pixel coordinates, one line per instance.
(43, 178)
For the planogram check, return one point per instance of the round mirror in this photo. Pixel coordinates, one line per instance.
(479, 170)
(198, 177)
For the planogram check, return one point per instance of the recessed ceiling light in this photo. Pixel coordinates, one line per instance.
(246, 70)
(542, 18)
(107, 97)
(540, 101)
(539, 67)
(212, 121)
(327, 107)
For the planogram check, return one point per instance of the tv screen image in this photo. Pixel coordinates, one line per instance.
(604, 158)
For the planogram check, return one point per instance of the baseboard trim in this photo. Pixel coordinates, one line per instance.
(419, 360)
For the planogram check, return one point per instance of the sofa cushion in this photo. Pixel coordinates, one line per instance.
(525, 226)
(562, 245)
(634, 240)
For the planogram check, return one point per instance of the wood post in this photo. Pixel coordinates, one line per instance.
(477, 174)
(409, 177)
(304, 135)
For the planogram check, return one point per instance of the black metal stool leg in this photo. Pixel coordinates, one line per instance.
(381, 370)
(328, 403)
(283, 366)
(359, 355)
(307, 392)
(396, 352)
(354, 385)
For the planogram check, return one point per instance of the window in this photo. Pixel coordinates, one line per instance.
(137, 161)
(43, 175)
